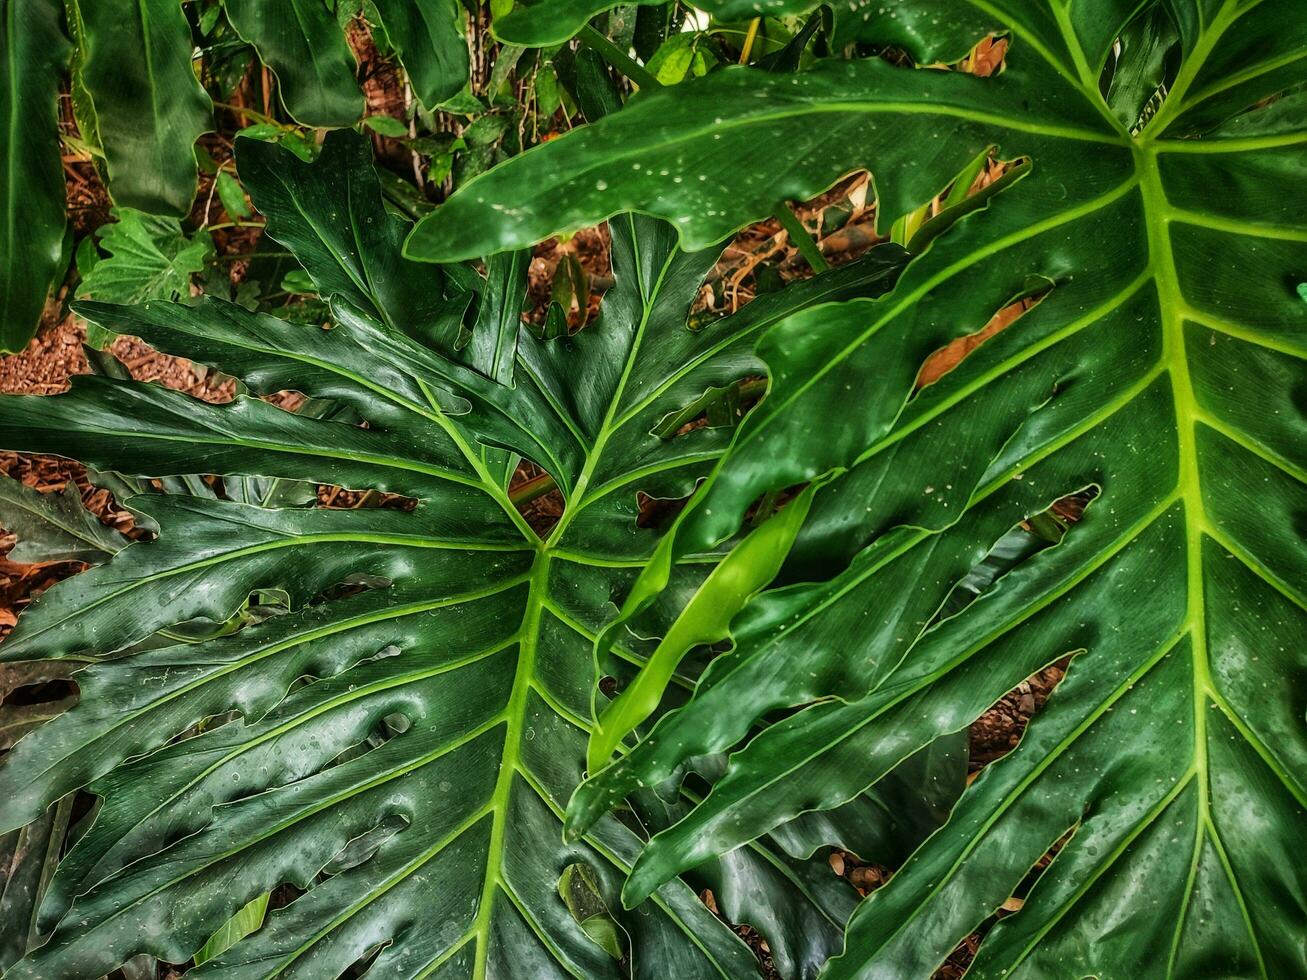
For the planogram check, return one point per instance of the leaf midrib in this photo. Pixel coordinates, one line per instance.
(515, 713)
(1157, 219)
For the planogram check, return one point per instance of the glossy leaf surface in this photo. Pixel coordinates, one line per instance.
(32, 51)
(301, 42)
(402, 743)
(135, 65)
(1159, 374)
(150, 257)
(549, 22)
(52, 526)
(429, 39)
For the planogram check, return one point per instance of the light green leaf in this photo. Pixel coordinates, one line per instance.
(232, 196)
(579, 888)
(248, 920)
(678, 57)
(150, 257)
(386, 126)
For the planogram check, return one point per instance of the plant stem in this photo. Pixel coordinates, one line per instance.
(252, 113)
(234, 224)
(748, 40)
(617, 58)
(800, 237)
(532, 489)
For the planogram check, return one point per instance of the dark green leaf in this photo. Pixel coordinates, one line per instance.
(428, 37)
(1150, 376)
(135, 64)
(549, 22)
(345, 238)
(53, 526)
(301, 42)
(28, 857)
(404, 734)
(32, 52)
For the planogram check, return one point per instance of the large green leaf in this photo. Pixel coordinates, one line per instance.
(428, 38)
(402, 743)
(330, 214)
(134, 63)
(32, 52)
(301, 42)
(549, 22)
(1161, 371)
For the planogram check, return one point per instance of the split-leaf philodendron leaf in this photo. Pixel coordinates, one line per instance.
(1159, 377)
(401, 744)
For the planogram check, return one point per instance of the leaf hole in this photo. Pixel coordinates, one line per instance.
(536, 495)
(1023, 542)
(1000, 729)
(945, 359)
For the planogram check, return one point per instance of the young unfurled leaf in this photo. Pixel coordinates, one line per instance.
(248, 920)
(579, 889)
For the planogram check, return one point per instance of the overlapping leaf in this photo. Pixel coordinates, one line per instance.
(403, 742)
(52, 526)
(428, 38)
(300, 41)
(547, 22)
(1157, 374)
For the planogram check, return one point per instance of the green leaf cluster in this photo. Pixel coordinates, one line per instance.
(476, 749)
(139, 104)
